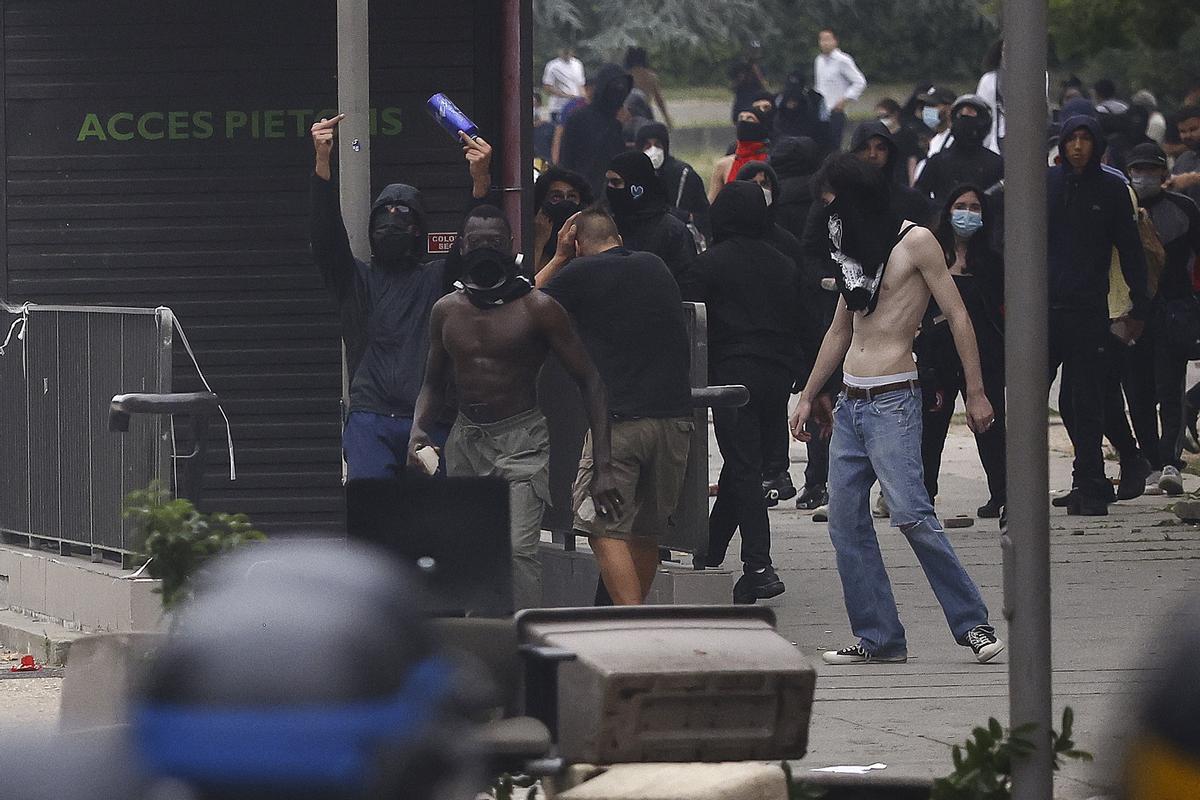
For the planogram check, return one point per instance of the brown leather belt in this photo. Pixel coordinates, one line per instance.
(858, 393)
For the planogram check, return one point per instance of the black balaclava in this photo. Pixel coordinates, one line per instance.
(612, 85)
(861, 229)
(748, 131)
(643, 194)
(396, 238)
(767, 118)
(492, 278)
(970, 131)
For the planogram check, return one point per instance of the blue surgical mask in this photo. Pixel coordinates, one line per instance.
(965, 222)
(930, 116)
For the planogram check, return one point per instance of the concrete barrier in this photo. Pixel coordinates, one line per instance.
(731, 781)
(569, 581)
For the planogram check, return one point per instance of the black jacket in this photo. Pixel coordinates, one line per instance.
(592, 135)
(692, 201)
(958, 164)
(644, 219)
(384, 309)
(907, 203)
(748, 286)
(1090, 213)
(1177, 221)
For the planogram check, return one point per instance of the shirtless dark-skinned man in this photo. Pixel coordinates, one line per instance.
(493, 334)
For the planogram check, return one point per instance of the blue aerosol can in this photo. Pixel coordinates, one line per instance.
(450, 117)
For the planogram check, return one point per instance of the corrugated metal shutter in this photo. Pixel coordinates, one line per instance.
(188, 188)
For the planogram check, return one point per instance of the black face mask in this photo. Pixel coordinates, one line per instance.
(393, 240)
(490, 278)
(558, 214)
(622, 202)
(969, 130)
(750, 131)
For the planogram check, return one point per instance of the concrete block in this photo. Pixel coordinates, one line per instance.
(98, 677)
(569, 581)
(728, 781)
(48, 641)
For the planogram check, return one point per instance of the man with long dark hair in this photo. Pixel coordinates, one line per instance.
(876, 425)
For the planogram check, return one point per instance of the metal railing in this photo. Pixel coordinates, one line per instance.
(65, 474)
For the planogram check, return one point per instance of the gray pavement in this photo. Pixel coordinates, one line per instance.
(1114, 579)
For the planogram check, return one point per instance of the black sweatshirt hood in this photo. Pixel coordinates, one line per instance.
(654, 130)
(610, 81)
(748, 171)
(1073, 124)
(795, 157)
(644, 194)
(400, 194)
(739, 210)
(874, 127)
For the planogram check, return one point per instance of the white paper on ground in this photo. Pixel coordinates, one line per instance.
(850, 770)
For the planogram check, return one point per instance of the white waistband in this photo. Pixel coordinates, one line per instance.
(877, 380)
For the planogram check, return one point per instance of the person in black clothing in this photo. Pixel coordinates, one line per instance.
(1090, 213)
(384, 307)
(799, 112)
(795, 160)
(1156, 374)
(748, 287)
(629, 313)
(558, 194)
(639, 203)
(966, 160)
(874, 143)
(978, 273)
(747, 81)
(810, 314)
(592, 135)
(684, 186)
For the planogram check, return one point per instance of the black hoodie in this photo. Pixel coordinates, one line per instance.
(1090, 213)
(794, 159)
(592, 135)
(748, 286)
(642, 215)
(692, 202)
(961, 163)
(384, 308)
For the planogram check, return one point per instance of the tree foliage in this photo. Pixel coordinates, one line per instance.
(1080, 29)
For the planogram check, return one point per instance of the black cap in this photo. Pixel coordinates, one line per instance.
(937, 95)
(1146, 154)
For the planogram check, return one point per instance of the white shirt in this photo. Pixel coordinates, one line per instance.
(566, 76)
(988, 90)
(837, 78)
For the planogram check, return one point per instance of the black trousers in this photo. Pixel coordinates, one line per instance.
(743, 436)
(777, 457)
(1079, 343)
(937, 413)
(1153, 378)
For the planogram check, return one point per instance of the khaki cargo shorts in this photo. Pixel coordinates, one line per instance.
(649, 457)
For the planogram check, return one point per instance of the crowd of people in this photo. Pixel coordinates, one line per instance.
(868, 280)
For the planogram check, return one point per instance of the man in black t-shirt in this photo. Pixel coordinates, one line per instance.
(629, 313)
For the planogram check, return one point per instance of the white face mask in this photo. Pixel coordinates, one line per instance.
(767, 194)
(657, 156)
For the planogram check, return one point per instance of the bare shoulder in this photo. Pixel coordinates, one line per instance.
(922, 248)
(448, 303)
(542, 304)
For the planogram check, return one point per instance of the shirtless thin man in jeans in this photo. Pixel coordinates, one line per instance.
(888, 270)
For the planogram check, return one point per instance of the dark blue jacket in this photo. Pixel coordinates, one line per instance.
(1090, 213)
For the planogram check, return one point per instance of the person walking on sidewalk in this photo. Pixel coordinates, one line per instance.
(887, 271)
(749, 288)
(837, 79)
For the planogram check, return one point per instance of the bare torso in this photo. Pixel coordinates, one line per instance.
(497, 354)
(882, 343)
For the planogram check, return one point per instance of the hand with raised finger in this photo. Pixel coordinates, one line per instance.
(323, 131)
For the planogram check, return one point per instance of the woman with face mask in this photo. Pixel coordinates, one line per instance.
(978, 272)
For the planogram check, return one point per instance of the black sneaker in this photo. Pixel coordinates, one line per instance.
(1064, 500)
(856, 654)
(983, 642)
(778, 488)
(754, 586)
(813, 497)
(989, 510)
(1087, 507)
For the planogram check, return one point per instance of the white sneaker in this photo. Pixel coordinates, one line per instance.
(1171, 481)
(821, 513)
(880, 508)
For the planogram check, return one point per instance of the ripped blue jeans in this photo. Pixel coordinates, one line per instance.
(881, 439)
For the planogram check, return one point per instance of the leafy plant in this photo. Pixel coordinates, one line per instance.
(178, 539)
(983, 766)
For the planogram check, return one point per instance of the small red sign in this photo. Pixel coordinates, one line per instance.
(440, 243)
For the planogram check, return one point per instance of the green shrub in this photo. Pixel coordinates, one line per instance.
(178, 539)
